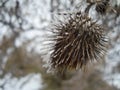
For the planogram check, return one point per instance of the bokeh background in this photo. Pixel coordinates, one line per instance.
(24, 26)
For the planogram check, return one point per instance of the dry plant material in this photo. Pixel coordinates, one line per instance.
(78, 41)
(103, 6)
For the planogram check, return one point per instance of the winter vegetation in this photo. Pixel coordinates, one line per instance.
(59, 44)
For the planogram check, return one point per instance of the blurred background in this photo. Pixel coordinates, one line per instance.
(23, 27)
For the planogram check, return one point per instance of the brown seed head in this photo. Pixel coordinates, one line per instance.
(103, 6)
(79, 41)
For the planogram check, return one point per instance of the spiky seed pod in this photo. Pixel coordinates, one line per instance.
(102, 7)
(79, 40)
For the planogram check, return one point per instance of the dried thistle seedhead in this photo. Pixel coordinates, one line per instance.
(79, 40)
(103, 6)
